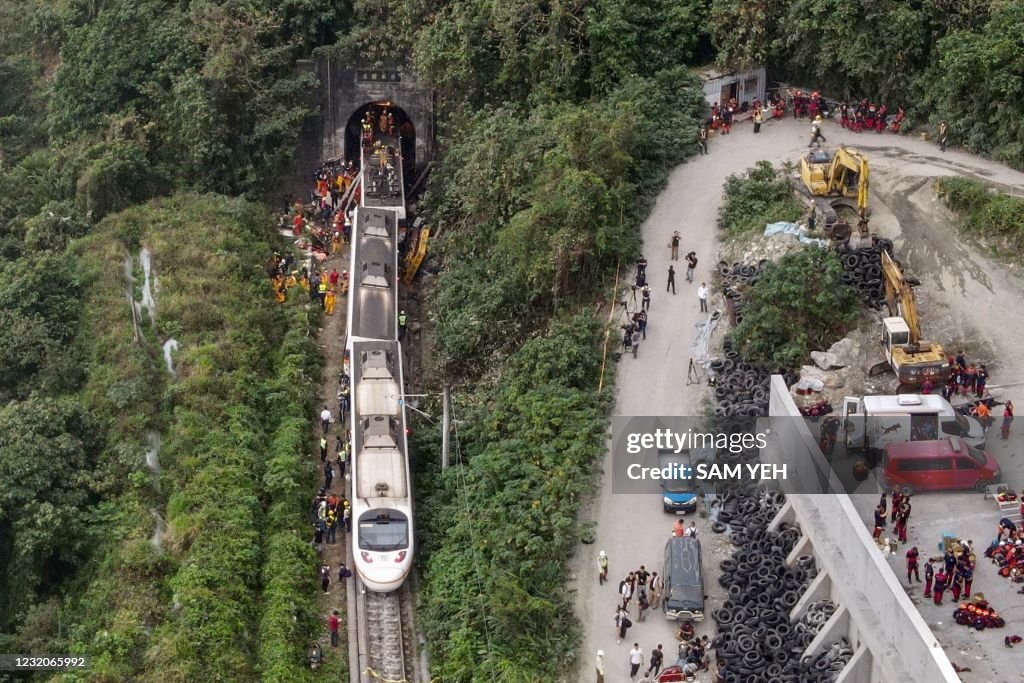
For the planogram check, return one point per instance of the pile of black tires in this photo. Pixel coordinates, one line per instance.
(755, 636)
(862, 269)
(736, 280)
(741, 388)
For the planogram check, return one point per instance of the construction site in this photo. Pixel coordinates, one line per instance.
(866, 416)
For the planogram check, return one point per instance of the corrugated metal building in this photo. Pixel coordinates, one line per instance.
(745, 86)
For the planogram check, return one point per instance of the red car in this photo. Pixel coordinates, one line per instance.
(942, 465)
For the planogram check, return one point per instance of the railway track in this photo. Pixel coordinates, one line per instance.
(386, 628)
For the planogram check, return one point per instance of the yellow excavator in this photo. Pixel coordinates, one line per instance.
(833, 179)
(912, 359)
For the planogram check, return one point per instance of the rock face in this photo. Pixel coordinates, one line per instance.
(846, 352)
(825, 360)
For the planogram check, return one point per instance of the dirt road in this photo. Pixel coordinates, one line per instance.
(967, 301)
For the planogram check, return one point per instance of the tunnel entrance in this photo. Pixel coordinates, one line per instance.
(403, 125)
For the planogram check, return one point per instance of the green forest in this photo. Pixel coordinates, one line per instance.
(149, 139)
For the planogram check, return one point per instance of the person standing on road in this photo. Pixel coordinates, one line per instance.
(636, 660)
(940, 587)
(980, 380)
(325, 419)
(671, 280)
(702, 296)
(1004, 430)
(943, 135)
(912, 556)
(702, 139)
(929, 575)
(641, 269)
(691, 265)
(328, 473)
(657, 658)
(323, 449)
(645, 300)
(599, 666)
(332, 624)
(816, 136)
(622, 623)
(757, 120)
(657, 587)
(325, 577)
(342, 458)
(674, 244)
(602, 568)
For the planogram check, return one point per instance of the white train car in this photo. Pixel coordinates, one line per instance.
(382, 519)
(373, 277)
(383, 184)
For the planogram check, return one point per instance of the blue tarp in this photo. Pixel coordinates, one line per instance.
(792, 229)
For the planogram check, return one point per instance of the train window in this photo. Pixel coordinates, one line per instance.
(383, 531)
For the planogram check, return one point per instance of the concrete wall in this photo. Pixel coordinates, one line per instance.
(344, 89)
(882, 618)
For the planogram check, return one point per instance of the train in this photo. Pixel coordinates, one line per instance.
(382, 516)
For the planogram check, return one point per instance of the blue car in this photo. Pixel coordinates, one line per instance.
(678, 495)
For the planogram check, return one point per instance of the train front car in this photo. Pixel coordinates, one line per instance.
(382, 538)
(381, 165)
(373, 280)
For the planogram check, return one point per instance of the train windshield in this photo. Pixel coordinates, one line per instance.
(383, 531)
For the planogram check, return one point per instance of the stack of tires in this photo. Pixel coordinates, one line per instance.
(755, 636)
(862, 269)
(741, 388)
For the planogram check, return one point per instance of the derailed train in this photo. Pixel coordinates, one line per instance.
(382, 518)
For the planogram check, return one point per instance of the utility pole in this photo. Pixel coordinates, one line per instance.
(445, 423)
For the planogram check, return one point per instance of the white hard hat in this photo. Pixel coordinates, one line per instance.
(602, 554)
(600, 653)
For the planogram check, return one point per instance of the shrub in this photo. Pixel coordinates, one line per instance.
(756, 197)
(985, 213)
(798, 305)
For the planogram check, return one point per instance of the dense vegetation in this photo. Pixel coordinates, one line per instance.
(103, 107)
(756, 197)
(986, 213)
(957, 60)
(799, 304)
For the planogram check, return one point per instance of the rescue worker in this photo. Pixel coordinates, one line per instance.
(602, 567)
(816, 135)
(322, 290)
(403, 320)
(929, 575)
(758, 119)
(1004, 430)
(333, 279)
(329, 297)
(940, 586)
(912, 556)
(702, 139)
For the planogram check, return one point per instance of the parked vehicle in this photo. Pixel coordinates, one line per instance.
(684, 580)
(941, 465)
(872, 422)
(678, 495)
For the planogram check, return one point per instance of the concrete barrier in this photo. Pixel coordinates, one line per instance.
(892, 640)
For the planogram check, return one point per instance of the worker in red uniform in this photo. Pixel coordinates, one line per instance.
(912, 556)
(940, 586)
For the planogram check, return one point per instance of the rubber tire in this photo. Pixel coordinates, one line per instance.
(906, 490)
(982, 485)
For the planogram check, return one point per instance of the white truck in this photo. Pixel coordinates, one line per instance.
(872, 422)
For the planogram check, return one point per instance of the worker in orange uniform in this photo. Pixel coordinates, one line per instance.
(329, 299)
(297, 225)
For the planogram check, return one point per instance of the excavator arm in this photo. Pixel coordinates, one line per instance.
(899, 295)
(850, 177)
